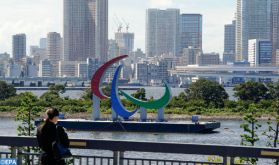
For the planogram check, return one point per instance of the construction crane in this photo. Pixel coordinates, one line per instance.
(127, 25)
(118, 23)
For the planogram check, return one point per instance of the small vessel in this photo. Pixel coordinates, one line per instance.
(136, 126)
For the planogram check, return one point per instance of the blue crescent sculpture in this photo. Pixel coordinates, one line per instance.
(116, 104)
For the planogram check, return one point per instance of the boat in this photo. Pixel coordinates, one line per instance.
(137, 126)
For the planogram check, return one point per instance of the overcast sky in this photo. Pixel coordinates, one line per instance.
(38, 17)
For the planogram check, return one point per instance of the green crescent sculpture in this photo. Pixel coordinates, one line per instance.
(156, 104)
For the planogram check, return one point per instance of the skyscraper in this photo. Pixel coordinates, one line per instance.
(275, 31)
(253, 21)
(229, 43)
(85, 29)
(125, 42)
(191, 31)
(162, 32)
(54, 47)
(43, 43)
(19, 47)
(101, 29)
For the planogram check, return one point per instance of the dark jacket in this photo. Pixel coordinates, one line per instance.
(46, 135)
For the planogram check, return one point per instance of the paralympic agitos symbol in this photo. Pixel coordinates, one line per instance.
(116, 104)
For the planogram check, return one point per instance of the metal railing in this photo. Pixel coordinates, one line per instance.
(121, 152)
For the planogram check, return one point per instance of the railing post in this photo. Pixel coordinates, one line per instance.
(228, 160)
(232, 160)
(115, 157)
(13, 152)
(121, 158)
(19, 156)
(225, 160)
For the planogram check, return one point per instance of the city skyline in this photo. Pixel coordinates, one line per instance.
(25, 21)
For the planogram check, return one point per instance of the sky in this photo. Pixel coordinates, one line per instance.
(36, 18)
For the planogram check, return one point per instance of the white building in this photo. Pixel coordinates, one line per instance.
(260, 52)
(68, 68)
(162, 32)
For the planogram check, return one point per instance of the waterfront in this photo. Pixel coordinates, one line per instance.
(228, 134)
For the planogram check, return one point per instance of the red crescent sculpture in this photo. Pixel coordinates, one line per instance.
(99, 74)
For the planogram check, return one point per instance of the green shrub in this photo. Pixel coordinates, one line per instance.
(73, 109)
(7, 109)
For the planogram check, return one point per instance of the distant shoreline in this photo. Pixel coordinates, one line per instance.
(151, 116)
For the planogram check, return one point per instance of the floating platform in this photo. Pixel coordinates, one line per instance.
(135, 126)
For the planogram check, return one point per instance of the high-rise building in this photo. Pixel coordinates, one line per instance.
(101, 29)
(54, 47)
(191, 31)
(125, 41)
(253, 21)
(43, 43)
(19, 47)
(275, 31)
(85, 29)
(54, 51)
(260, 52)
(229, 43)
(162, 32)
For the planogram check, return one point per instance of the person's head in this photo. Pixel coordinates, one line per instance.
(52, 115)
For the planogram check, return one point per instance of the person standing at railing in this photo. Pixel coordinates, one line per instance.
(47, 135)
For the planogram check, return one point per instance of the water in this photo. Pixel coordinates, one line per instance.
(228, 134)
(155, 92)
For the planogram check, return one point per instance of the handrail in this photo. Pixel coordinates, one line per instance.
(157, 147)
